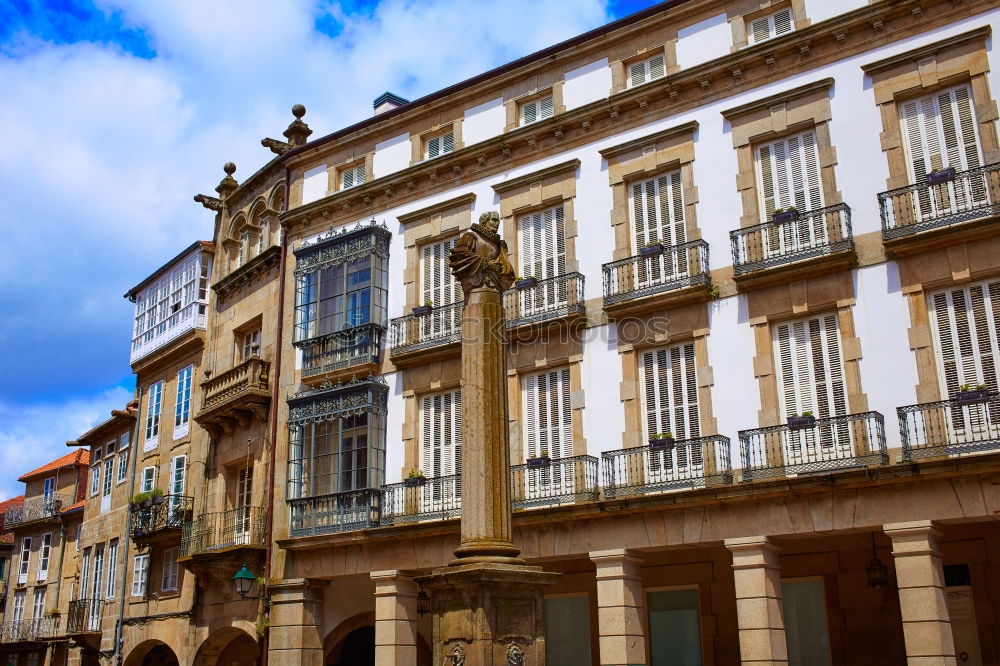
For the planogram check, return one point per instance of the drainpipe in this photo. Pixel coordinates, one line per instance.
(125, 537)
(62, 558)
(269, 525)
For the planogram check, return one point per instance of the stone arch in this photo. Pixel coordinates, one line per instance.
(335, 641)
(151, 653)
(276, 200)
(236, 225)
(227, 646)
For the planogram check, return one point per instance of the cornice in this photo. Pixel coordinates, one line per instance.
(535, 176)
(437, 208)
(784, 96)
(257, 267)
(686, 128)
(980, 33)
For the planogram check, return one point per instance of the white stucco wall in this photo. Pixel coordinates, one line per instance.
(483, 122)
(820, 10)
(735, 396)
(314, 183)
(587, 84)
(704, 41)
(391, 155)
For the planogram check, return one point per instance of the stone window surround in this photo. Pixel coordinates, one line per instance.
(644, 158)
(335, 171)
(249, 221)
(772, 118)
(429, 225)
(512, 106)
(943, 64)
(418, 141)
(619, 68)
(516, 378)
(750, 10)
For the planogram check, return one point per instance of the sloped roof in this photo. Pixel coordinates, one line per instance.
(74, 506)
(7, 537)
(78, 458)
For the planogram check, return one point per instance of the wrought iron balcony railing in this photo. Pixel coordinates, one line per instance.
(343, 349)
(413, 332)
(950, 427)
(30, 630)
(170, 514)
(689, 463)
(837, 442)
(37, 508)
(551, 482)
(243, 526)
(250, 374)
(84, 616)
(339, 512)
(418, 500)
(806, 235)
(941, 199)
(676, 267)
(549, 299)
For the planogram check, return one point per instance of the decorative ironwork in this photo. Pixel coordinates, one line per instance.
(342, 349)
(457, 655)
(171, 514)
(242, 526)
(333, 401)
(38, 508)
(807, 235)
(837, 442)
(515, 655)
(677, 267)
(432, 498)
(689, 463)
(339, 246)
(950, 427)
(439, 327)
(338, 512)
(250, 374)
(549, 299)
(84, 616)
(30, 630)
(970, 195)
(561, 481)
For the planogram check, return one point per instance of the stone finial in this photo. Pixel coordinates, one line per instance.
(227, 184)
(298, 132)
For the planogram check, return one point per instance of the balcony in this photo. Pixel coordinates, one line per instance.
(160, 521)
(950, 427)
(543, 482)
(676, 274)
(38, 508)
(236, 396)
(947, 202)
(439, 329)
(226, 530)
(339, 512)
(838, 442)
(808, 243)
(353, 348)
(190, 317)
(689, 463)
(423, 499)
(547, 300)
(84, 616)
(31, 630)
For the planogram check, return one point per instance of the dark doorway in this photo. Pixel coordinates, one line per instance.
(357, 649)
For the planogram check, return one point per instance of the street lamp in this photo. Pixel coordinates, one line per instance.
(244, 580)
(876, 572)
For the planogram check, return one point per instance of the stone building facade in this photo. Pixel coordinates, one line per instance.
(751, 368)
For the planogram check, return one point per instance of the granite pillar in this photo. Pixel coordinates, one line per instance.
(395, 618)
(620, 608)
(758, 601)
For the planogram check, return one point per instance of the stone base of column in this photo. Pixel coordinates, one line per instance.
(489, 613)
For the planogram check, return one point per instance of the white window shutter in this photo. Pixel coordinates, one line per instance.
(782, 21)
(789, 174)
(542, 243)
(940, 132)
(811, 373)
(545, 107)
(965, 323)
(658, 209)
(529, 113)
(656, 68)
(347, 179)
(549, 416)
(759, 30)
(637, 74)
(433, 147)
(438, 285)
(670, 392)
(441, 434)
(447, 142)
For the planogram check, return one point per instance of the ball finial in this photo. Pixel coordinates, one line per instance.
(229, 168)
(298, 111)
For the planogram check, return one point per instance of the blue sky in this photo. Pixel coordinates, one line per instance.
(116, 112)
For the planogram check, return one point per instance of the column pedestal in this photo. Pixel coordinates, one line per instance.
(758, 601)
(619, 608)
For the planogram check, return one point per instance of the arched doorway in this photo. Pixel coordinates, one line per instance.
(357, 649)
(228, 646)
(152, 653)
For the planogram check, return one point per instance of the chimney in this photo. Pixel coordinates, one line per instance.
(387, 102)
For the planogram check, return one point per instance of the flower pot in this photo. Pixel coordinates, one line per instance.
(414, 481)
(147, 503)
(526, 283)
(651, 250)
(134, 508)
(538, 462)
(973, 396)
(662, 443)
(159, 500)
(942, 176)
(785, 216)
(422, 310)
(800, 422)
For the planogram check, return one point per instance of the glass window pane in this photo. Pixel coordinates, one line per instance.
(674, 628)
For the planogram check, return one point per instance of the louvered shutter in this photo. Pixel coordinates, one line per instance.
(782, 22)
(637, 74)
(549, 421)
(656, 68)
(433, 147)
(789, 174)
(658, 210)
(940, 132)
(770, 26)
(646, 70)
(438, 285)
(811, 375)
(545, 107)
(441, 434)
(966, 322)
(543, 243)
(670, 392)
(529, 113)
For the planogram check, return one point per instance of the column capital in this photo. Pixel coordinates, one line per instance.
(394, 582)
(752, 543)
(619, 562)
(912, 527)
(916, 537)
(294, 590)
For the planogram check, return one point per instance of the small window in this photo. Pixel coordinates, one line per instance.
(140, 569)
(536, 110)
(44, 553)
(772, 25)
(153, 404)
(170, 571)
(352, 176)
(248, 344)
(439, 145)
(122, 466)
(112, 569)
(95, 478)
(123, 441)
(646, 70)
(148, 479)
(109, 449)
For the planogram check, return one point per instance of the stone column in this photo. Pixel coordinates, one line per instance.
(296, 621)
(922, 600)
(620, 607)
(758, 600)
(395, 618)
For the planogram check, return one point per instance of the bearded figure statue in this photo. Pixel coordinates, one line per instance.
(479, 258)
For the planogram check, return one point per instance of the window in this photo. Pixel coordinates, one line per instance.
(18, 613)
(966, 327)
(153, 401)
(98, 588)
(123, 441)
(804, 608)
(441, 434)
(44, 552)
(263, 238)
(175, 299)
(170, 572)
(439, 145)
(542, 243)
(248, 344)
(658, 210)
(178, 468)
(788, 174)
(674, 623)
(49, 488)
(437, 283)
(182, 410)
(769, 26)
(247, 244)
(645, 70)
(548, 416)
(38, 603)
(670, 392)
(148, 479)
(95, 477)
(140, 569)
(122, 466)
(112, 569)
(567, 630)
(22, 571)
(85, 573)
(811, 375)
(536, 110)
(79, 533)
(109, 468)
(352, 176)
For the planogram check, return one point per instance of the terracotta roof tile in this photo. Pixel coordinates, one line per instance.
(78, 457)
(73, 507)
(11, 502)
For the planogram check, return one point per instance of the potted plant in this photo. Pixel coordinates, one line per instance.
(662, 440)
(785, 214)
(651, 249)
(539, 461)
(798, 422)
(140, 500)
(941, 176)
(967, 394)
(424, 309)
(156, 496)
(529, 282)
(415, 478)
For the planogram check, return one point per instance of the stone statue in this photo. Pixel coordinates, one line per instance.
(479, 258)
